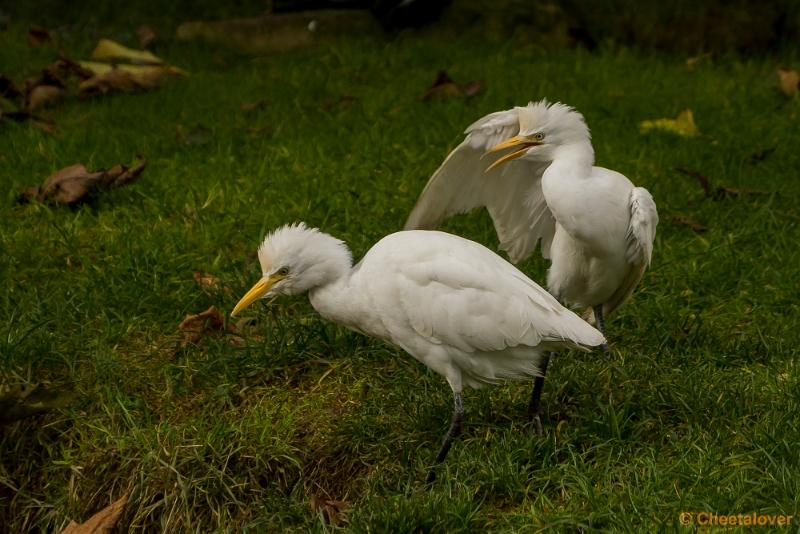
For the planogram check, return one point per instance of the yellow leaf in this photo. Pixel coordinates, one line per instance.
(108, 50)
(789, 81)
(137, 70)
(683, 124)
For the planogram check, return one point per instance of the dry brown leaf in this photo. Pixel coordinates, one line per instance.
(721, 192)
(333, 512)
(115, 80)
(75, 183)
(44, 95)
(111, 51)
(683, 124)
(444, 87)
(343, 102)
(103, 522)
(692, 62)
(686, 221)
(195, 327)
(37, 36)
(789, 81)
(252, 106)
(146, 35)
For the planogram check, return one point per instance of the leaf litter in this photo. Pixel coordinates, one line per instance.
(683, 124)
(444, 87)
(721, 192)
(75, 184)
(21, 402)
(103, 522)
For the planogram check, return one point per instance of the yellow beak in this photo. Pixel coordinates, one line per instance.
(255, 293)
(524, 143)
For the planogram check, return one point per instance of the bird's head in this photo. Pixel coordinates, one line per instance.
(543, 128)
(295, 259)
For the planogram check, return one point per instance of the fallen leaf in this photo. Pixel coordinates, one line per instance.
(721, 192)
(95, 67)
(789, 81)
(332, 511)
(683, 124)
(21, 402)
(444, 87)
(343, 102)
(195, 327)
(75, 184)
(146, 35)
(37, 36)
(103, 522)
(702, 179)
(44, 95)
(685, 221)
(252, 106)
(111, 51)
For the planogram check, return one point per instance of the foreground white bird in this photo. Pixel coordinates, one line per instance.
(595, 226)
(451, 303)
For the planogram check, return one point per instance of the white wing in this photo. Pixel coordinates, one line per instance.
(458, 293)
(511, 192)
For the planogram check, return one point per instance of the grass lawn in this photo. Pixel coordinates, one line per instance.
(697, 410)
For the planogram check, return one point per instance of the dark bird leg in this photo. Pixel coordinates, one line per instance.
(601, 325)
(455, 430)
(534, 405)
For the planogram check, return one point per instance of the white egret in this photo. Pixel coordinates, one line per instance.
(594, 225)
(451, 303)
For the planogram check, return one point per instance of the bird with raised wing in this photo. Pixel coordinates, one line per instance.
(454, 305)
(594, 225)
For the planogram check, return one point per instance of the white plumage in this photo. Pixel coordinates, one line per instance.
(451, 303)
(594, 225)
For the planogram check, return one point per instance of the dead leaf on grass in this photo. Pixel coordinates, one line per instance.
(253, 106)
(37, 36)
(721, 192)
(692, 62)
(789, 82)
(683, 124)
(103, 522)
(45, 95)
(75, 183)
(21, 402)
(332, 512)
(146, 35)
(112, 52)
(343, 102)
(444, 87)
(686, 221)
(195, 327)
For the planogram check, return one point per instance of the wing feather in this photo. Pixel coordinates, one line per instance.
(478, 302)
(512, 192)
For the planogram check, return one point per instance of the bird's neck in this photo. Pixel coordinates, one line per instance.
(566, 179)
(331, 298)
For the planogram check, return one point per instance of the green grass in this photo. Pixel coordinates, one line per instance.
(697, 410)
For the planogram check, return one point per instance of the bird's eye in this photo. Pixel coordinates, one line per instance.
(538, 136)
(283, 271)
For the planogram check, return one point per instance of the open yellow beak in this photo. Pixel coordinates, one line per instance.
(255, 293)
(524, 143)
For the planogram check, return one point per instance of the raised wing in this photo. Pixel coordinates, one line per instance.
(511, 192)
